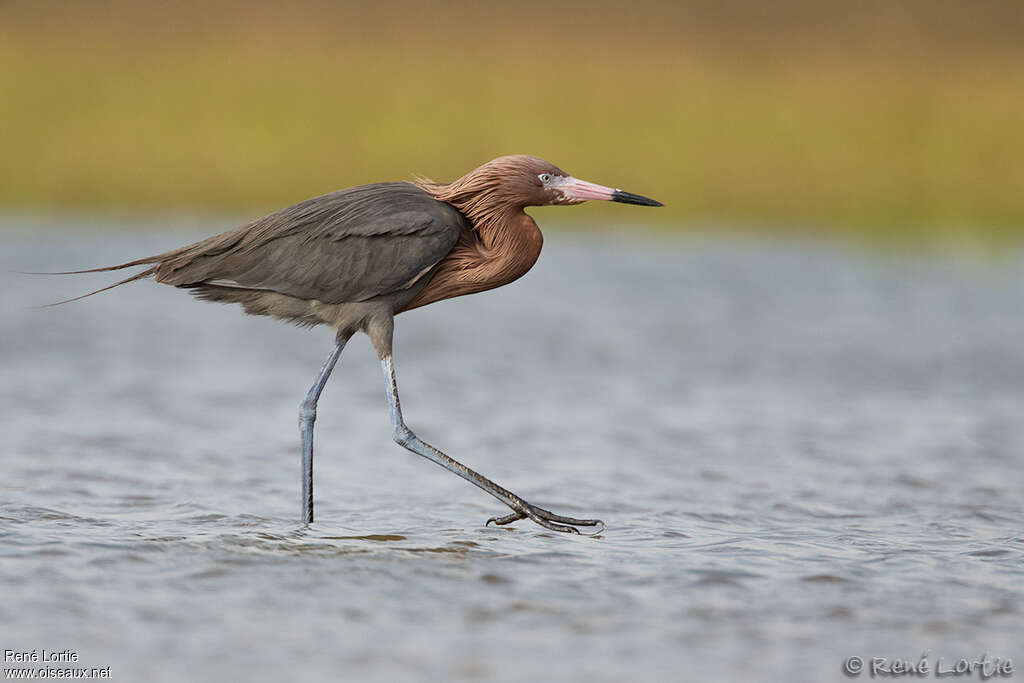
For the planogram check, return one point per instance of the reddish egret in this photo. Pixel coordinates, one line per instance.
(354, 258)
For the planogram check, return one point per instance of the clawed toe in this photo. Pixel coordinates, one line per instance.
(549, 520)
(507, 519)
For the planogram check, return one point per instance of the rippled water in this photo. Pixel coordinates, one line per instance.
(801, 454)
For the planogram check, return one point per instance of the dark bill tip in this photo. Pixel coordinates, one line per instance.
(630, 198)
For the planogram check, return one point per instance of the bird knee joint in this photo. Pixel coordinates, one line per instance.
(403, 436)
(307, 412)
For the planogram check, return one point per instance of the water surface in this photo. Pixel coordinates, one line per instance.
(801, 454)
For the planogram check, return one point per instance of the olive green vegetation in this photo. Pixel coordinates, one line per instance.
(870, 117)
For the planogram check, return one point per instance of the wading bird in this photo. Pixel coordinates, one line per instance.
(355, 258)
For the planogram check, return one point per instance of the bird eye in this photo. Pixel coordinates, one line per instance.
(544, 177)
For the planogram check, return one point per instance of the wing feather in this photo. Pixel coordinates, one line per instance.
(346, 246)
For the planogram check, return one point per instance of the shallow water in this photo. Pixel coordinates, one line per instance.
(801, 454)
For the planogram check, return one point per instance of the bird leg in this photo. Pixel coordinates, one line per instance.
(521, 509)
(307, 416)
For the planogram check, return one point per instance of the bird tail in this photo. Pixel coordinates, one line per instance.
(129, 264)
(138, 276)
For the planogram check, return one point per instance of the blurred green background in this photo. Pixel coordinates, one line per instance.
(898, 117)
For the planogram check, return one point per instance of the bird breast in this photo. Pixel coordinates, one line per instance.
(488, 255)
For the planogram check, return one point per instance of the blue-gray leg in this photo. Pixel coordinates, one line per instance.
(307, 416)
(521, 509)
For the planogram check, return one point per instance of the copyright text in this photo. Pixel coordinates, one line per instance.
(984, 667)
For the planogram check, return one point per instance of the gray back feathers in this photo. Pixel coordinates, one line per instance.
(347, 246)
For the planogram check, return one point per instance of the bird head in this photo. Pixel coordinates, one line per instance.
(518, 181)
(540, 183)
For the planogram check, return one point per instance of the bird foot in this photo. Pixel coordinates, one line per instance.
(548, 520)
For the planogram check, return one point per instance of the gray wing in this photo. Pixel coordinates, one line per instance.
(346, 246)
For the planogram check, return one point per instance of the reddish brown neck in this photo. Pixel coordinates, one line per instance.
(510, 242)
(503, 244)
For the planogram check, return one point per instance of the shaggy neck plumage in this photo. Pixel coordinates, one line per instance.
(503, 244)
(486, 199)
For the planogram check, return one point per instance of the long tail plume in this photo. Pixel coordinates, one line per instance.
(138, 276)
(129, 264)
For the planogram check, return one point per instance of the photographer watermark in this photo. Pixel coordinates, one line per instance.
(48, 664)
(984, 667)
